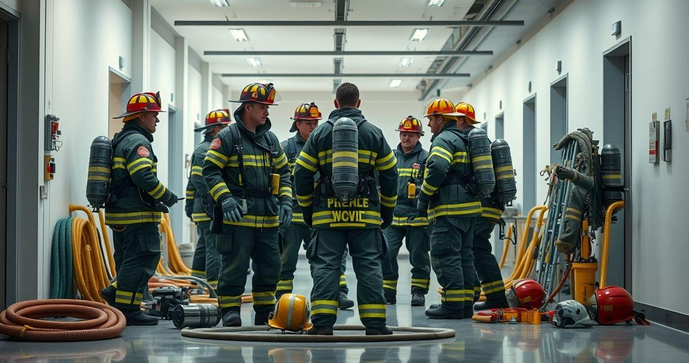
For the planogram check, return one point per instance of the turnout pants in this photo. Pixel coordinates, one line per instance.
(453, 261)
(137, 252)
(325, 251)
(239, 246)
(206, 262)
(293, 237)
(487, 268)
(417, 241)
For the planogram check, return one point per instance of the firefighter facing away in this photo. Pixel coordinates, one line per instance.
(248, 177)
(445, 196)
(411, 158)
(199, 203)
(135, 207)
(306, 117)
(347, 152)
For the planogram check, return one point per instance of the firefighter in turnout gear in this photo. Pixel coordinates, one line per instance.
(247, 175)
(411, 158)
(135, 207)
(446, 198)
(355, 222)
(489, 276)
(306, 118)
(199, 203)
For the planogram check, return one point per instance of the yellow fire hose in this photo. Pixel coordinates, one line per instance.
(175, 262)
(606, 242)
(506, 246)
(89, 267)
(525, 260)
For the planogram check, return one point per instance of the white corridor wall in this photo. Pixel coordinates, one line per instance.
(578, 37)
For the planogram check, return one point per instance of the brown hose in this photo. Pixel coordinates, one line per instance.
(559, 286)
(23, 320)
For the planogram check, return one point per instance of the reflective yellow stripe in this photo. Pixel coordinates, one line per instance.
(217, 155)
(99, 169)
(387, 162)
(305, 165)
(158, 191)
(280, 161)
(145, 163)
(427, 188)
(346, 154)
(220, 188)
(503, 168)
(481, 158)
(345, 163)
(616, 176)
(99, 178)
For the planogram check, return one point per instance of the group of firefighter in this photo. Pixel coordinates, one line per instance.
(256, 201)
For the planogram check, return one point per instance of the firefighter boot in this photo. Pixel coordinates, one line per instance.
(418, 300)
(321, 330)
(491, 304)
(442, 312)
(108, 294)
(262, 317)
(343, 302)
(382, 331)
(230, 317)
(390, 298)
(139, 318)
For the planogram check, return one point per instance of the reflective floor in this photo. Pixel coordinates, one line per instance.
(474, 342)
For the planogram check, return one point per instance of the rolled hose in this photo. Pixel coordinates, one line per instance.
(175, 262)
(90, 272)
(23, 320)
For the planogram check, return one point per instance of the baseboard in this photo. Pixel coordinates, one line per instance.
(669, 318)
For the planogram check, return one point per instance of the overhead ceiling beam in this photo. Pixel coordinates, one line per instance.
(344, 75)
(349, 23)
(349, 53)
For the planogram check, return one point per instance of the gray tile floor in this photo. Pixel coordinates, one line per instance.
(473, 342)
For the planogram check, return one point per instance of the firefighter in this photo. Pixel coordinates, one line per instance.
(199, 203)
(411, 158)
(135, 207)
(248, 177)
(445, 196)
(355, 222)
(489, 276)
(306, 117)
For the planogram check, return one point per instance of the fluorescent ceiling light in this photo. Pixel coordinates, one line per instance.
(255, 62)
(220, 3)
(419, 34)
(395, 83)
(406, 62)
(239, 35)
(305, 4)
(436, 2)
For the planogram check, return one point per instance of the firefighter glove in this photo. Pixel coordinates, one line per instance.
(171, 200)
(189, 209)
(230, 210)
(285, 213)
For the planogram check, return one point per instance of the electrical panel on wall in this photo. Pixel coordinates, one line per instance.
(653, 135)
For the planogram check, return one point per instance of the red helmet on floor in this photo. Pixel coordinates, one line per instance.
(612, 304)
(526, 293)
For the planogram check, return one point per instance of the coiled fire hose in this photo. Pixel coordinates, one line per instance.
(175, 262)
(23, 320)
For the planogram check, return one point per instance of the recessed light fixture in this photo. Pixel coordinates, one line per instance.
(305, 4)
(436, 2)
(239, 35)
(255, 62)
(419, 34)
(220, 3)
(395, 83)
(406, 62)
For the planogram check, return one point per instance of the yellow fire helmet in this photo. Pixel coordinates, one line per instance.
(441, 106)
(291, 313)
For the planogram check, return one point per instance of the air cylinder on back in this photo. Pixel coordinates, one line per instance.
(100, 165)
(506, 185)
(345, 164)
(482, 162)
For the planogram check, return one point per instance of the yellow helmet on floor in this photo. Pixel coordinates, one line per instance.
(291, 313)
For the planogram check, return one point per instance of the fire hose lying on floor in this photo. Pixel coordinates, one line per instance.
(24, 320)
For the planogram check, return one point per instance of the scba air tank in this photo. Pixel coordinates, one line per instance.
(506, 185)
(611, 174)
(100, 165)
(482, 161)
(345, 173)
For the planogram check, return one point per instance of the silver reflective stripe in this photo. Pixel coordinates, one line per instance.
(291, 308)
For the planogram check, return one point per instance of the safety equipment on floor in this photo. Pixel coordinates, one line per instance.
(25, 321)
(100, 165)
(441, 106)
(505, 184)
(305, 112)
(214, 118)
(291, 313)
(481, 161)
(345, 165)
(141, 103)
(410, 124)
(196, 316)
(571, 314)
(511, 315)
(165, 299)
(526, 293)
(614, 304)
(259, 93)
(468, 111)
